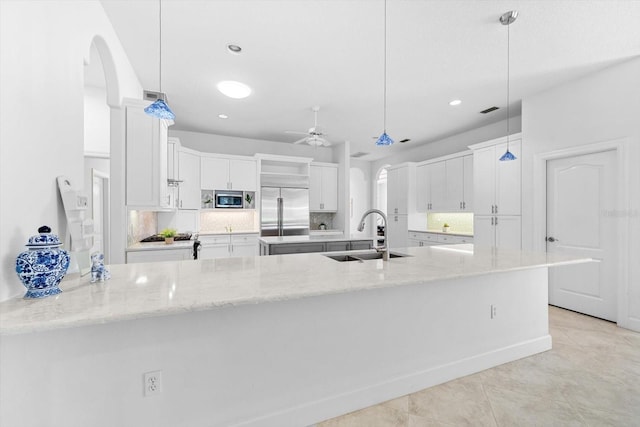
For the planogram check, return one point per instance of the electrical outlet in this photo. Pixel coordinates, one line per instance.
(152, 383)
(494, 311)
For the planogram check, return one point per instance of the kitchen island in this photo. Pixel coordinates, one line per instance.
(281, 245)
(263, 341)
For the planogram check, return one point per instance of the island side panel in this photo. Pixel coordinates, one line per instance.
(288, 363)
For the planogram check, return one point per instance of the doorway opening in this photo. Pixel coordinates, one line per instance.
(577, 192)
(97, 149)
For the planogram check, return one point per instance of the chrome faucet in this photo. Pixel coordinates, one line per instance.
(385, 248)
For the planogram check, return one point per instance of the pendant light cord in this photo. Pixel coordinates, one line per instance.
(384, 115)
(160, 44)
(508, 78)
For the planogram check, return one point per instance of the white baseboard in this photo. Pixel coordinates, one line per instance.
(317, 411)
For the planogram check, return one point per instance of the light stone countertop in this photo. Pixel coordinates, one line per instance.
(275, 240)
(157, 246)
(158, 289)
(451, 233)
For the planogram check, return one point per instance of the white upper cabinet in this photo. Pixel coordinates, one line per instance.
(445, 185)
(323, 187)
(146, 158)
(497, 184)
(467, 184)
(214, 173)
(243, 174)
(401, 183)
(189, 174)
(454, 184)
(437, 187)
(423, 194)
(221, 173)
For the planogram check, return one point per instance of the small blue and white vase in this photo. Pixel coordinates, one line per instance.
(43, 265)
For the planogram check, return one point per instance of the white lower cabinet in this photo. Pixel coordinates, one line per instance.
(498, 231)
(422, 238)
(159, 255)
(225, 246)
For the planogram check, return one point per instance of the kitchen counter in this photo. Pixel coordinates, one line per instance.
(156, 246)
(274, 340)
(141, 290)
(276, 240)
(452, 233)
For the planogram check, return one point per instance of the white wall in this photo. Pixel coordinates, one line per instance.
(43, 47)
(600, 107)
(211, 143)
(97, 132)
(360, 193)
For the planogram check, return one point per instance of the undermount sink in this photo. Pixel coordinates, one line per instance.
(364, 257)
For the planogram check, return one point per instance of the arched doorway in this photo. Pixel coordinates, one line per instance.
(100, 96)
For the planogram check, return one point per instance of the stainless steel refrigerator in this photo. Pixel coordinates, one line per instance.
(285, 211)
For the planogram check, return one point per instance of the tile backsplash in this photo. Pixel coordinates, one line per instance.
(458, 222)
(141, 224)
(317, 218)
(213, 221)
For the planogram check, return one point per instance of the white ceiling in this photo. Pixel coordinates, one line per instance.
(301, 53)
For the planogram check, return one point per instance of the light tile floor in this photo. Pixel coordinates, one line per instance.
(591, 377)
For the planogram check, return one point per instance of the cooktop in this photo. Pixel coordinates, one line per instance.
(159, 238)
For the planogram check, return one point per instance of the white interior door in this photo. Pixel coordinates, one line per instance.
(100, 213)
(580, 191)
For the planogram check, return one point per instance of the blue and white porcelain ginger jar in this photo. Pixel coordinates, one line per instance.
(43, 265)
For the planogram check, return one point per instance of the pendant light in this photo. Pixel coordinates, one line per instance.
(385, 139)
(507, 19)
(159, 109)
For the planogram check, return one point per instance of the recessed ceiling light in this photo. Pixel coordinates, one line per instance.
(223, 116)
(455, 102)
(234, 89)
(234, 48)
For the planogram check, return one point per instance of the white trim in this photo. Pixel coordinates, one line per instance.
(496, 141)
(399, 386)
(620, 146)
(447, 157)
(97, 155)
(324, 164)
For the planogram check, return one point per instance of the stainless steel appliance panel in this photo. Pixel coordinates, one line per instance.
(295, 211)
(269, 211)
(285, 211)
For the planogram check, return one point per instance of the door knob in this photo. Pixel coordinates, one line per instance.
(551, 239)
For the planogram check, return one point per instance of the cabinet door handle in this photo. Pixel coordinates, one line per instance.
(460, 205)
(491, 220)
(496, 220)
(464, 205)
(496, 208)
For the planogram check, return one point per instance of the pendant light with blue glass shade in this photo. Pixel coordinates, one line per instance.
(385, 139)
(159, 109)
(507, 19)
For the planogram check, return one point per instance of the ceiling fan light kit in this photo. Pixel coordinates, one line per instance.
(159, 109)
(314, 136)
(507, 19)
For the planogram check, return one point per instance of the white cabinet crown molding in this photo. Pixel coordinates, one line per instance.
(496, 141)
(444, 158)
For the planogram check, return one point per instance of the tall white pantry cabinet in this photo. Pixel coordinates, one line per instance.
(497, 194)
(146, 157)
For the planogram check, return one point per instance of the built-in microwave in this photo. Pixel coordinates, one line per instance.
(229, 199)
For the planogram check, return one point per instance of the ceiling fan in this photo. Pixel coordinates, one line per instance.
(314, 136)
